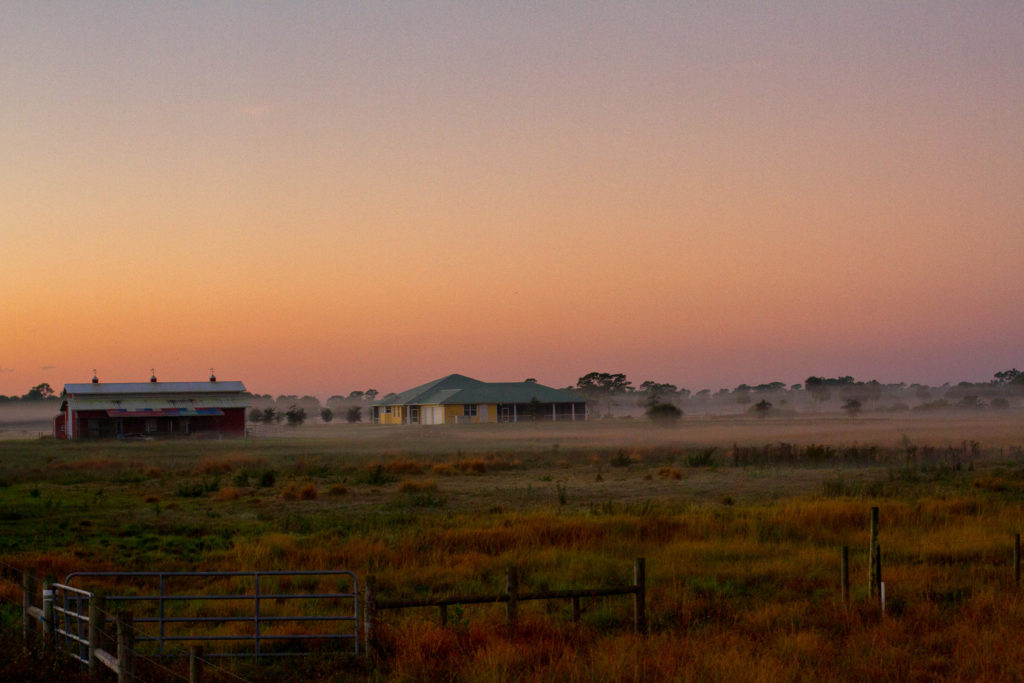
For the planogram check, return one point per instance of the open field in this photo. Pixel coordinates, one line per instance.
(741, 521)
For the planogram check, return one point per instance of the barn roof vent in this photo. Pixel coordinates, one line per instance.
(95, 379)
(213, 377)
(152, 377)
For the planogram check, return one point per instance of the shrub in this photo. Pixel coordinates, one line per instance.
(354, 414)
(268, 478)
(664, 414)
(417, 487)
(189, 491)
(326, 414)
(404, 467)
(562, 492)
(620, 459)
(703, 459)
(229, 493)
(308, 492)
(337, 490)
(376, 476)
(290, 492)
(295, 416)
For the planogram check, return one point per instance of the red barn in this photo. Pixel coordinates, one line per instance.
(168, 409)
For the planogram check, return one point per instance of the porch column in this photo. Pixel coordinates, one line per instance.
(515, 416)
(554, 418)
(573, 411)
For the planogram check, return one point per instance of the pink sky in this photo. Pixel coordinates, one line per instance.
(323, 197)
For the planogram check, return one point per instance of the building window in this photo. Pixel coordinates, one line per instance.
(469, 410)
(151, 425)
(387, 410)
(414, 414)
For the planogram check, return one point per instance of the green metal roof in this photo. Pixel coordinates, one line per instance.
(461, 390)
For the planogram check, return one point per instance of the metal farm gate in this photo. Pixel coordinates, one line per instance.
(235, 614)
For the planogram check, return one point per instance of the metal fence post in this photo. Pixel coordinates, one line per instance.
(96, 619)
(640, 597)
(195, 664)
(125, 642)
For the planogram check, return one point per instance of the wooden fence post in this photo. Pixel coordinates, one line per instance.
(370, 617)
(575, 609)
(444, 614)
(125, 642)
(876, 567)
(640, 597)
(844, 574)
(873, 578)
(96, 619)
(512, 589)
(1016, 560)
(28, 588)
(195, 664)
(48, 625)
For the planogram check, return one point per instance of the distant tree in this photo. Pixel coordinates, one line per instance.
(971, 403)
(852, 407)
(598, 386)
(39, 392)
(310, 404)
(354, 414)
(742, 394)
(664, 414)
(370, 395)
(1006, 376)
(295, 416)
(654, 393)
(762, 408)
(270, 416)
(256, 415)
(356, 395)
(531, 380)
(817, 388)
(1000, 403)
(326, 414)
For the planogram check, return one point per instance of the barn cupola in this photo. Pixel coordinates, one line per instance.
(213, 377)
(152, 377)
(95, 379)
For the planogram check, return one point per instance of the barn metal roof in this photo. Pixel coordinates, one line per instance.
(458, 390)
(135, 388)
(144, 404)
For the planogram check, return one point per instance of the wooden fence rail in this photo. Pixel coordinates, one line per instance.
(511, 597)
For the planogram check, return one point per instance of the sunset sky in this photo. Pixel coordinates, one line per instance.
(318, 197)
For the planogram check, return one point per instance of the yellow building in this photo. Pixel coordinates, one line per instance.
(457, 399)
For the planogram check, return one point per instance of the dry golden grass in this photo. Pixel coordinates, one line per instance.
(417, 486)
